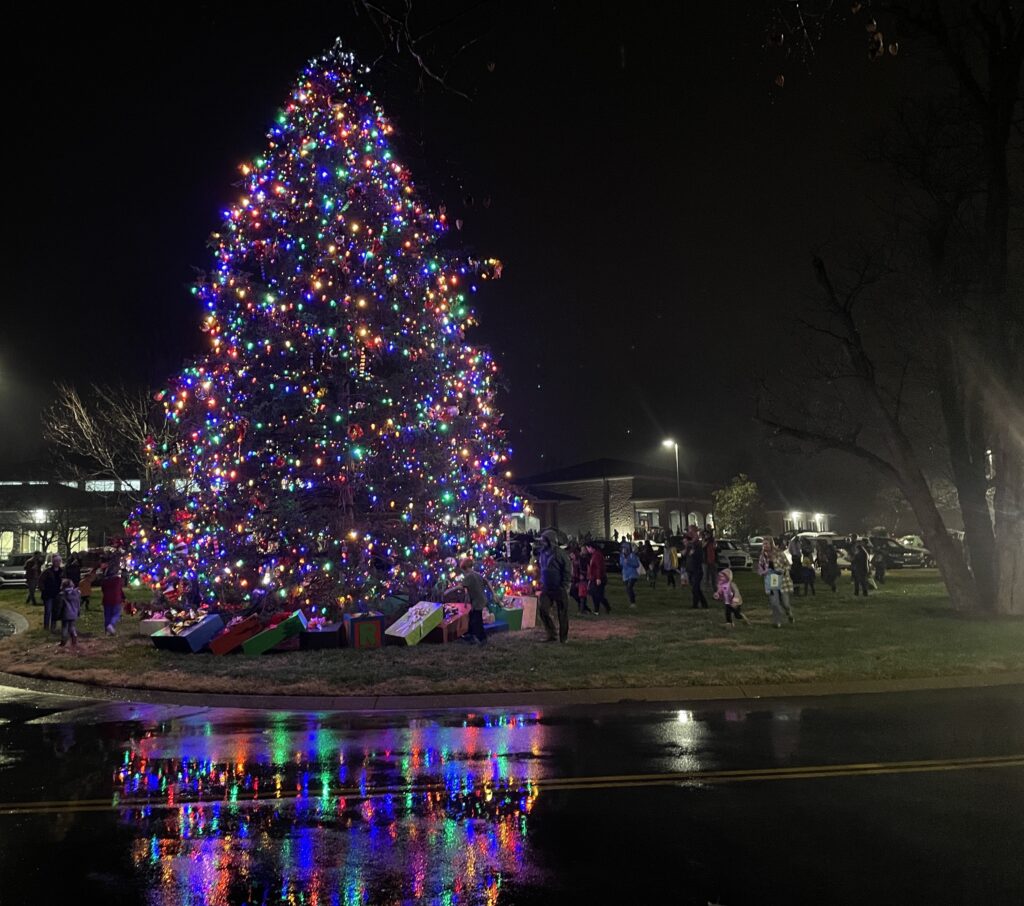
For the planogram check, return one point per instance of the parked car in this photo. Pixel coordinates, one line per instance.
(12, 571)
(732, 556)
(754, 545)
(917, 543)
(897, 555)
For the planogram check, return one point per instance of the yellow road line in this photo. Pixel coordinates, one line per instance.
(599, 782)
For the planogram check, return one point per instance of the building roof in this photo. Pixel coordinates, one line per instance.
(543, 494)
(50, 496)
(598, 468)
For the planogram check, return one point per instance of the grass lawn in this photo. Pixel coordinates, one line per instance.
(907, 629)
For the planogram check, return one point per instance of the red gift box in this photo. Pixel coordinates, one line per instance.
(233, 637)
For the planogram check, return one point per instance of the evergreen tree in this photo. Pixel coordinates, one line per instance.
(339, 441)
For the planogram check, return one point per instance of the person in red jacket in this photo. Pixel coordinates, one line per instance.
(112, 586)
(597, 578)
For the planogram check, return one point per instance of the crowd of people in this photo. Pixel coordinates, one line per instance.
(65, 590)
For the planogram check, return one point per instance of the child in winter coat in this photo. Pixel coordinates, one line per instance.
(70, 601)
(729, 595)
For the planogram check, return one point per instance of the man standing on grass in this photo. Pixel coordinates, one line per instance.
(597, 578)
(33, 568)
(555, 576)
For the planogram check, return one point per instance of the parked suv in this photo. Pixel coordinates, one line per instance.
(732, 556)
(897, 555)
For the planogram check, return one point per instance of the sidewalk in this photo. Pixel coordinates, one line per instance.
(680, 695)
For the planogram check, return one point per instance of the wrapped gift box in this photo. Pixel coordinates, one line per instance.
(417, 622)
(527, 604)
(496, 626)
(192, 639)
(364, 630)
(148, 627)
(454, 624)
(330, 635)
(263, 641)
(235, 635)
(510, 615)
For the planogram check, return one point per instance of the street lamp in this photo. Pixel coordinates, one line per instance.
(675, 446)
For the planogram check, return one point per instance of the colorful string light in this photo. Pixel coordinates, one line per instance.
(339, 442)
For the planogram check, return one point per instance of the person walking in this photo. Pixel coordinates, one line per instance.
(859, 569)
(73, 571)
(670, 563)
(597, 579)
(807, 574)
(555, 576)
(69, 607)
(630, 573)
(710, 560)
(828, 561)
(475, 586)
(112, 587)
(695, 572)
(647, 560)
(878, 562)
(727, 592)
(583, 588)
(49, 586)
(33, 569)
(778, 584)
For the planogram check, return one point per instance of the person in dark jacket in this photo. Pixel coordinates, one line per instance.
(859, 569)
(476, 585)
(49, 584)
(33, 568)
(828, 561)
(555, 576)
(74, 569)
(710, 560)
(597, 578)
(695, 571)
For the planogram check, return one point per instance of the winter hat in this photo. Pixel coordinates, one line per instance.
(551, 536)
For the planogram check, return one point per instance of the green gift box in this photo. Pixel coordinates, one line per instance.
(511, 615)
(286, 629)
(417, 622)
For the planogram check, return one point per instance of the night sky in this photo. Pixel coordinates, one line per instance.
(654, 197)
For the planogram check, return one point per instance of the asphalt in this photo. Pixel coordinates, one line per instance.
(549, 698)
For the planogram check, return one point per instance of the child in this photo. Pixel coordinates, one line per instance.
(807, 575)
(476, 585)
(729, 595)
(85, 587)
(70, 600)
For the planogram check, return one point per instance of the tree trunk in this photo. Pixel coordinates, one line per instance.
(1009, 518)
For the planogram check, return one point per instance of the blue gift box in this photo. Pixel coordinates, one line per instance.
(190, 640)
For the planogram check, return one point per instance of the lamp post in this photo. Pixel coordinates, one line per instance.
(675, 446)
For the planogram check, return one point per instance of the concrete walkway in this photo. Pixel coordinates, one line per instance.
(469, 701)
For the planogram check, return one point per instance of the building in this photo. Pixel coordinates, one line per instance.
(606, 496)
(797, 516)
(49, 516)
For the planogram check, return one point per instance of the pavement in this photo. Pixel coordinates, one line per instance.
(551, 698)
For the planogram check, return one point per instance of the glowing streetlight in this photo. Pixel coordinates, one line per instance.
(671, 443)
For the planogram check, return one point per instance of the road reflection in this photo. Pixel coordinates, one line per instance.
(302, 812)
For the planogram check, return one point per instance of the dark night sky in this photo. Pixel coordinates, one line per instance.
(654, 199)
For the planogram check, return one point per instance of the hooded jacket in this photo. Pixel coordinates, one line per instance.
(555, 569)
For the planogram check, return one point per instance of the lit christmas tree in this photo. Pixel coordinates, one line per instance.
(339, 442)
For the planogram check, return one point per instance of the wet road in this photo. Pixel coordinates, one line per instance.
(912, 798)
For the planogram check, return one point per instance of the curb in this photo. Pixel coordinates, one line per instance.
(473, 701)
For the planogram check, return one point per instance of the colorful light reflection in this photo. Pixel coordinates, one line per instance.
(305, 813)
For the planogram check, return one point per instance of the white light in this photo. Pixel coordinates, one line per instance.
(685, 717)
(819, 518)
(795, 517)
(668, 443)
(39, 515)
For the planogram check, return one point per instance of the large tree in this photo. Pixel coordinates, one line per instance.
(739, 509)
(340, 437)
(953, 390)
